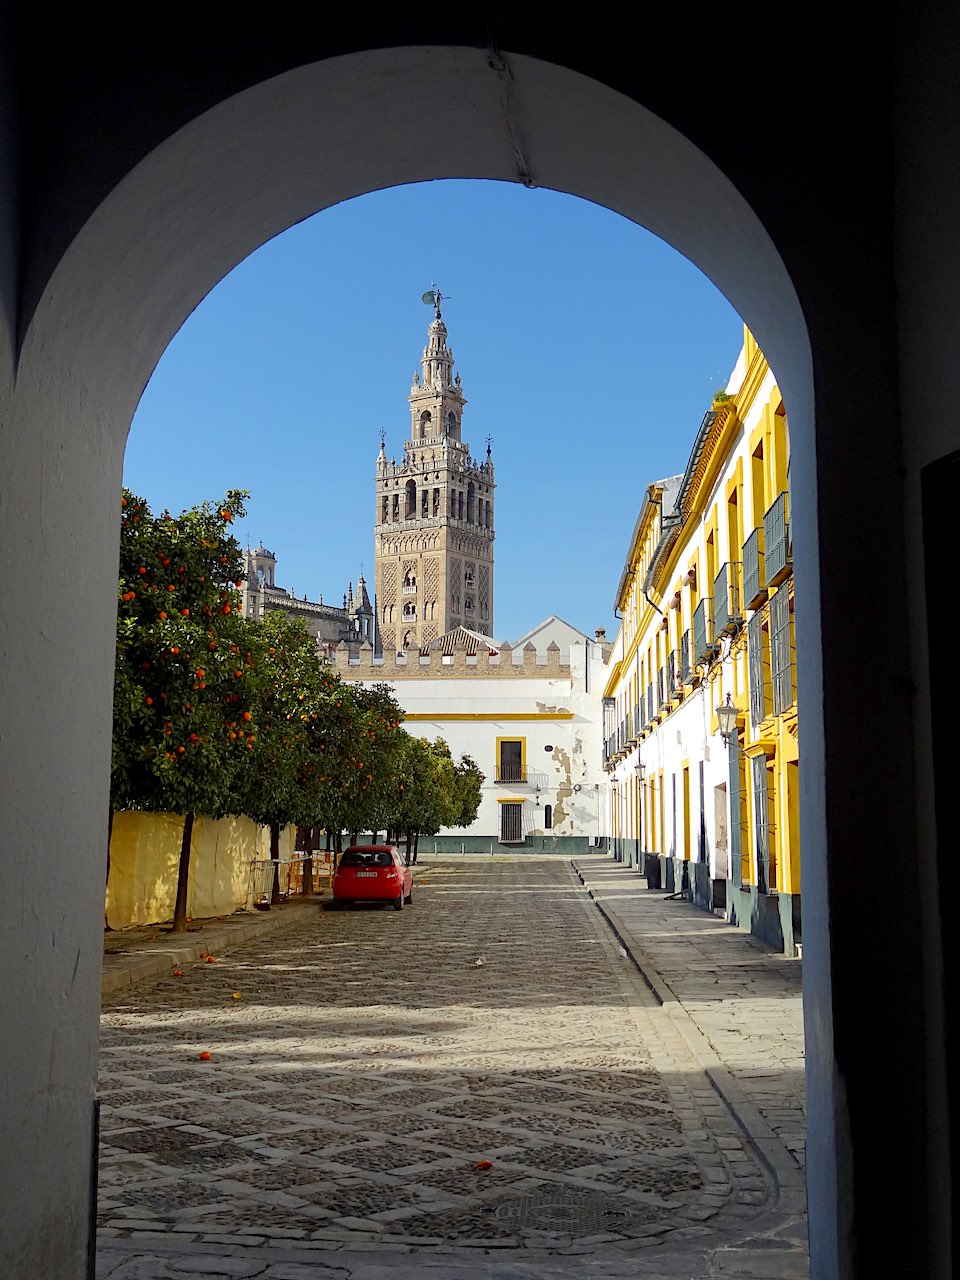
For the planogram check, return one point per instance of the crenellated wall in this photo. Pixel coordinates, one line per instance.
(459, 664)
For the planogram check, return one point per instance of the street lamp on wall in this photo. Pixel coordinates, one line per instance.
(727, 715)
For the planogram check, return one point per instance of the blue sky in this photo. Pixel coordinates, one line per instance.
(587, 347)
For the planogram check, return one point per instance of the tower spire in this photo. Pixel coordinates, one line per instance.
(434, 513)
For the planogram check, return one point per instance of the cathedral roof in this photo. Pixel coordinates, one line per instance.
(464, 638)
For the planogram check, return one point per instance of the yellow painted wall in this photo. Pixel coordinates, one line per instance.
(145, 852)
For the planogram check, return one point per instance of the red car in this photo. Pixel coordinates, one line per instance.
(372, 873)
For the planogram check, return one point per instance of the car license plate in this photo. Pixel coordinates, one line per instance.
(366, 873)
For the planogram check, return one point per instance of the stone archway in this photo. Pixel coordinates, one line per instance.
(93, 327)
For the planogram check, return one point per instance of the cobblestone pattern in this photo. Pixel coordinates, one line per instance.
(746, 998)
(370, 1062)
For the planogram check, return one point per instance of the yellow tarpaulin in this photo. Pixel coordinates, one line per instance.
(145, 853)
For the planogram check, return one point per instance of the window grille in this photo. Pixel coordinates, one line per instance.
(704, 636)
(684, 657)
(781, 645)
(511, 823)
(758, 665)
(776, 540)
(728, 611)
(754, 582)
(766, 868)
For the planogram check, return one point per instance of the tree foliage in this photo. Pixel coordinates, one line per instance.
(182, 716)
(215, 713)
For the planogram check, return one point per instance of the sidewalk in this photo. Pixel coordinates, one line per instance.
(737, 1000)
(134, 955)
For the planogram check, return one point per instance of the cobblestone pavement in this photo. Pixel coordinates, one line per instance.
(744, 997)
(366, 1065)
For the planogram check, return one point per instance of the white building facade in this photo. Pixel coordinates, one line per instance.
(532, 722)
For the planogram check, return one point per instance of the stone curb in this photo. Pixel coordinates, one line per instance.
(126, 969)
(788, 1177)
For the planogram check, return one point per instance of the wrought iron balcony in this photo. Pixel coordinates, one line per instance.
(727, 597)
(758, 666)
(781, 653)
(705, 645)
(661, 689)
(683, 658)
(674, 683)
(776, 541)
(507, 771)
(651, 711)
(754, 583)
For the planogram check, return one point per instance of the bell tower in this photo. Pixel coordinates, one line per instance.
(434, 513)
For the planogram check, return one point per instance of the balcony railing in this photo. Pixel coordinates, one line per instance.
(776, 541)
(409, 589)
(684, 658)
(507, 772)
(781, 653)
(661, 689)
(705, 645)
(754, 583)
(651, 710)
(727, 597)
(674, 683)
(758, 666)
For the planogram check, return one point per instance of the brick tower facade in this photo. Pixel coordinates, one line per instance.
(434, 515)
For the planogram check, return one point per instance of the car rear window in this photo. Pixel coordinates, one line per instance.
(381, 858)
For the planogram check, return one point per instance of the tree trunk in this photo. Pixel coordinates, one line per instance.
(416, 846)
(183, 877)
(275, 859)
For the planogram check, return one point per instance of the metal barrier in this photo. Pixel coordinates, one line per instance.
(291, 874)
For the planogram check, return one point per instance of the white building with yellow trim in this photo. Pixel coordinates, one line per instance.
(530, 716)
(706, 600)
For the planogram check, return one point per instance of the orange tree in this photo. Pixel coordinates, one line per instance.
(183, 717)
(288, 686)
(433, 793)
(467, 786)
(355, 745)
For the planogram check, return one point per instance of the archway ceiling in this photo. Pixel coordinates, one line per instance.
(257, 162)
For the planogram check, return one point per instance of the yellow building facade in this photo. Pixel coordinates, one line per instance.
(706, 600)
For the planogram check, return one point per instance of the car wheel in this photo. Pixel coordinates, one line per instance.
(409, 898)
(398, 903)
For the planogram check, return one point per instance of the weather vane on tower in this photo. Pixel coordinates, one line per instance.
(432, 298)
